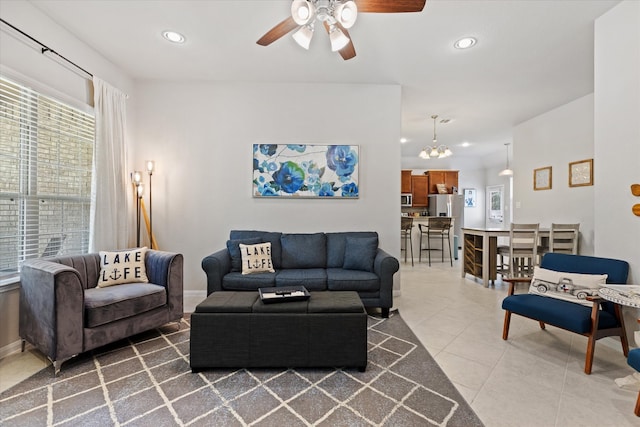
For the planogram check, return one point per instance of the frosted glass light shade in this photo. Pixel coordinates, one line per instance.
(346, 13)
(302, 11)
(303, 36)
(338, 39)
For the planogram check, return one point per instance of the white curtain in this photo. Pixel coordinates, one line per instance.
(109, 223)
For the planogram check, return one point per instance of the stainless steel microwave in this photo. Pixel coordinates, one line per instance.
(406, 199)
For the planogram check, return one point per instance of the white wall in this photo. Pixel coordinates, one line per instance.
(201, 137)
(555, 139)
(617, 133)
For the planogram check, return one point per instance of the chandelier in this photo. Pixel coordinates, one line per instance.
(435, 150)
(333, 14)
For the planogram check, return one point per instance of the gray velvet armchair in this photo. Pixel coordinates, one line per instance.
(63, 313)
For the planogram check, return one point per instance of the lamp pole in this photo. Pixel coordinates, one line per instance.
(150, 167)
(136, 180)
(140, 191)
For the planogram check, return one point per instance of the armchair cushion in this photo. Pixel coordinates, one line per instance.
(572, 317)
(118, 302)
(122, 267)
(572, 287)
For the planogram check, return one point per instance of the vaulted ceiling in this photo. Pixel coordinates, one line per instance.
(531, 55)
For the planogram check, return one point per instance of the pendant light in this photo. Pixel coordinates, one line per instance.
(507, 171)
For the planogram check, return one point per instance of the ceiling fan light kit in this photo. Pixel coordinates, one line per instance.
(336, 16)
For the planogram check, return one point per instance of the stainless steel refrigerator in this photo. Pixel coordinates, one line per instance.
(449, 205)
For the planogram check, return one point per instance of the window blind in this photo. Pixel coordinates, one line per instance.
(46, 151)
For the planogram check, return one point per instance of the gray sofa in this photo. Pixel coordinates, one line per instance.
(63, 313)
(339, 261)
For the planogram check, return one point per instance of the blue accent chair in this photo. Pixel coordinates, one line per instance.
(602, 319)
(634, 361)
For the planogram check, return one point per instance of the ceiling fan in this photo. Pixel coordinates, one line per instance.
(336, 16)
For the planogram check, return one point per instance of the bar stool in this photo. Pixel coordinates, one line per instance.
(406, 226)
(436, 227)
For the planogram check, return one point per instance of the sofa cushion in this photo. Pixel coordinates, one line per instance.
(256, 258)
(563, 314)
(234, 250)
(122, 267)
(339, 279)
(106, 305)
(572, 287)
(266, 236)
(248, 282)
(359, 253)
(336, 243)
(304, 250)
(314, 279)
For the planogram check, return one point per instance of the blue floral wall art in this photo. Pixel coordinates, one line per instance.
(300, 170)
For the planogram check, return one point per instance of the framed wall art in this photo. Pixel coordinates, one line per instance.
(469, 197)
(581, 173)
(310, 171)
(495, 205)
(542, 178)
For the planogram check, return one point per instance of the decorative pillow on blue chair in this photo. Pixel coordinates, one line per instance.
(572, 287)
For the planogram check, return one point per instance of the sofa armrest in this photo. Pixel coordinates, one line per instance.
(166, 269)
(51, 308)
(215, 267)
(385, 266)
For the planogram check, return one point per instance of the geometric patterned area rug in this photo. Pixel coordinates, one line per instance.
(146, 381)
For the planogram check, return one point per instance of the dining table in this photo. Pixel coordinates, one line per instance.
(480, 251)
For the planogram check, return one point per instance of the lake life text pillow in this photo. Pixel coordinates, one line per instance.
(122, 267)
(256, 258)
(573, 287)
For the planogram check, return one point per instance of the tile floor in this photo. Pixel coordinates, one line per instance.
(534, 379)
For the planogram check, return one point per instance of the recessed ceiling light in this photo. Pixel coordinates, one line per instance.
(173, 37)
(403, 140)
(465, 144)
(465, 43)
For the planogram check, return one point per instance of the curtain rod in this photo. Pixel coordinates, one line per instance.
(44, 48)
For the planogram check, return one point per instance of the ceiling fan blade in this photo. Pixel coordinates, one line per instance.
(278, 31)
(348, 51)
(390, 6)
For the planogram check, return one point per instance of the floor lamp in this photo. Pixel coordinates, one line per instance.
(150, 168)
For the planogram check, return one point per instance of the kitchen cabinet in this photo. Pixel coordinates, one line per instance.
(419, 190)
(405, 181)
(447, 177)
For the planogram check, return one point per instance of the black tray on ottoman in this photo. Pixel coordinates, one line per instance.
(283, 294)
(238, 330)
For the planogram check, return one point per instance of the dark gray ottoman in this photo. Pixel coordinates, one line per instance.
(237, 330)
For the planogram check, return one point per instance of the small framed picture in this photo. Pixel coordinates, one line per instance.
(581, 173)
(469, 197)
(542, 178)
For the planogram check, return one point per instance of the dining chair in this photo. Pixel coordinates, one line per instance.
(436, 227)
(522, 250)
(563, 238)
(406, 227)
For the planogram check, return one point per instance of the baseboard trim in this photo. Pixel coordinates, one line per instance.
(9, 349)
(191, 299)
